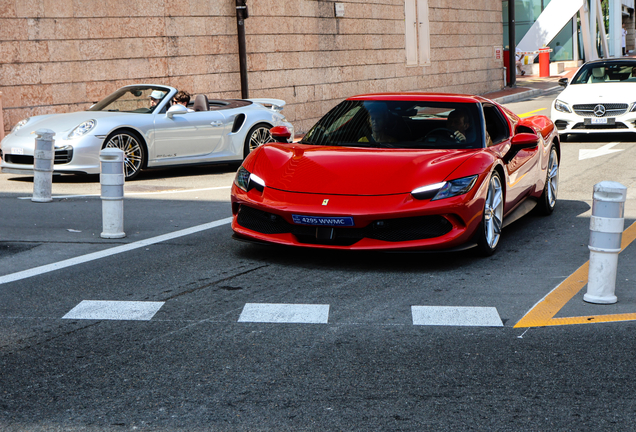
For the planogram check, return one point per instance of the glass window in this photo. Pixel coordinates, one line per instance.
(606, 72)
(399, 124)
(138, 99)
(562, 48)
(496, 125)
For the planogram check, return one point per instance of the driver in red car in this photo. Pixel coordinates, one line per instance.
(459, 123)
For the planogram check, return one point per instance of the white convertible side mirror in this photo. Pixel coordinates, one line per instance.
(176, 109)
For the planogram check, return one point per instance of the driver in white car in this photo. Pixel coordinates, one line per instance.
(155, 97)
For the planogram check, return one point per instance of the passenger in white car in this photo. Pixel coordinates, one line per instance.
(181, 98)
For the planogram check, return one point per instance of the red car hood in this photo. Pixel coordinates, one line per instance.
(353, 171)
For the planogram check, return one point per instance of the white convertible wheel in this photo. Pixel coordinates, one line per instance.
(134, 152)
(257, 136)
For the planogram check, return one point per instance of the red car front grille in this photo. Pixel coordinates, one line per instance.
(390, 230)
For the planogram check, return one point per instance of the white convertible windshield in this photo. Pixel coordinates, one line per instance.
(141, 99)
(399, 124)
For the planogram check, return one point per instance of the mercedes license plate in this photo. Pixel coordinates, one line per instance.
(17, 150)
(337, 221)
(600, 121)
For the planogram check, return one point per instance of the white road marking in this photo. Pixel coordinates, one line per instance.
(134, 193)
(456, 316)
(601, 151)
(114, 310)
(285, 313)
(108, 252)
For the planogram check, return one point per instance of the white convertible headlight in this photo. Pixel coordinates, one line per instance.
(562, 106)
(19, 124)
(82, 129)
(633, 107)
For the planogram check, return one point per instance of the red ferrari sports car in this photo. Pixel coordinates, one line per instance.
(399, 171)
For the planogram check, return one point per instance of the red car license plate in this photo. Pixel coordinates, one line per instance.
(323, 220)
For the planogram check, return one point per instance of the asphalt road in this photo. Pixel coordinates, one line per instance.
(179, 349)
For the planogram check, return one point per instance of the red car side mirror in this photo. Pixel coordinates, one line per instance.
(519, 142)
(524, 140)
(280, 133)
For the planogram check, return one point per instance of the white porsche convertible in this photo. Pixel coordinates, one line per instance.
(151, 130)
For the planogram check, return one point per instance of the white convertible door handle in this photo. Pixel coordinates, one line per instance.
(216, 123)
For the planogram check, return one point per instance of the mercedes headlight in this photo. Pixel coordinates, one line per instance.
(562, 106)
(247, 181)
(82, 129)
(19, 124)
(445, 189)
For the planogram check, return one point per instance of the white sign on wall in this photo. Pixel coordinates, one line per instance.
(339, 7)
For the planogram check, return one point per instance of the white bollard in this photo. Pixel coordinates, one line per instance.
(112, 181)
(606, 231)
(43, 165)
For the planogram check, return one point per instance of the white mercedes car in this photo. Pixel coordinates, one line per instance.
(600, 98)
(151, 130)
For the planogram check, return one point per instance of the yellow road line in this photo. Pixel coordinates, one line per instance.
(542, 314)
(529, 113)
(592, 319)
(547, 308)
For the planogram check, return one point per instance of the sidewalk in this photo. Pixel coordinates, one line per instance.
(528, 86)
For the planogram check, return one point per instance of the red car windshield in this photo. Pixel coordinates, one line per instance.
(399, 124)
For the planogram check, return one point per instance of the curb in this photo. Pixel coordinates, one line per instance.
(525, 95)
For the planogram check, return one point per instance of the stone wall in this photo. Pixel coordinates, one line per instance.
(62, 55)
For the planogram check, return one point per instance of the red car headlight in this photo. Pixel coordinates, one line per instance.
(427, 192)
(456, 187)
(445, 189)
(247, 181)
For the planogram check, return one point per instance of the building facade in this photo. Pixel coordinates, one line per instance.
(63, 55)
(564, 33)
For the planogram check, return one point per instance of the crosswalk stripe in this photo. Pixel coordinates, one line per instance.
(456, 316)
(285, 313)
(114, 310)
